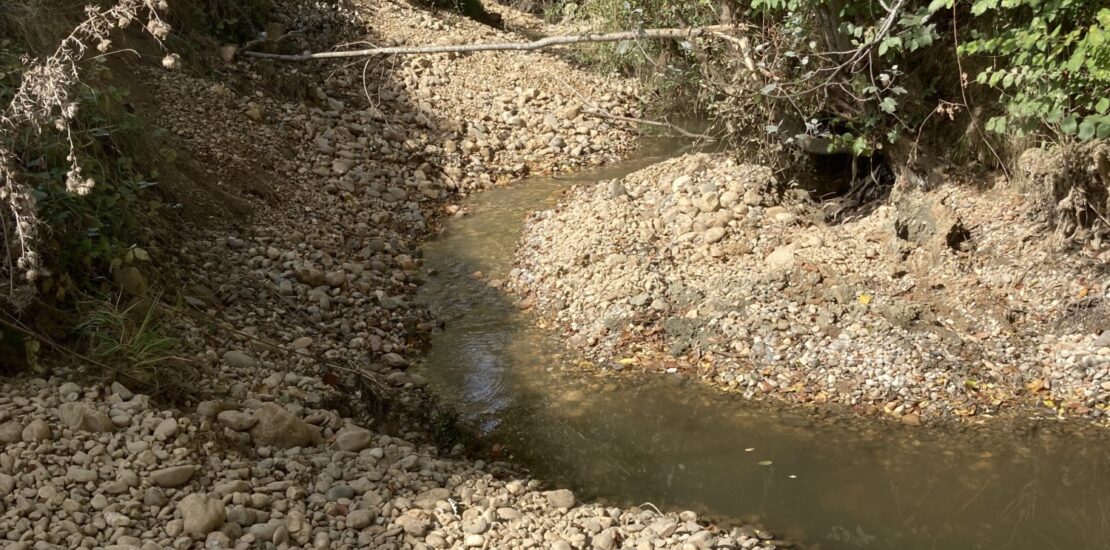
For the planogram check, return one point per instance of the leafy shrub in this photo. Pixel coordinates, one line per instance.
(74, 161)
(87, 233)
(1049, 62)
(873, 78)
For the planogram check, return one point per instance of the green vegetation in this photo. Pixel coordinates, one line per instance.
(81, 235)
(114, 147)
(875, 78)
(1050, 64)
(130, 339)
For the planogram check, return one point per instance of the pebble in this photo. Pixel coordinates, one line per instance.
(173, 477)
(561, 498)
(37, 430)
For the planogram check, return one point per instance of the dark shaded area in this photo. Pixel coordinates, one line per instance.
(466, 8)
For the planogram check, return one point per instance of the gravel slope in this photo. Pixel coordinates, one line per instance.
(954, 302)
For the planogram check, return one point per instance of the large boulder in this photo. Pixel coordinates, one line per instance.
(280, 428)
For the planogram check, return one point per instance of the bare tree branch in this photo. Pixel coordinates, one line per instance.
(543, 43)
(648, 122)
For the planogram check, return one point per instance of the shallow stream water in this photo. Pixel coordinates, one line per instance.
(823, 481)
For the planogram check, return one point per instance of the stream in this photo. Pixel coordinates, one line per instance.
(822, 480)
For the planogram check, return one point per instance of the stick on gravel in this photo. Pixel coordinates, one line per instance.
(543, 43)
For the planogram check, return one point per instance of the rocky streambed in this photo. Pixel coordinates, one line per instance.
(292, 418)
(310, 192)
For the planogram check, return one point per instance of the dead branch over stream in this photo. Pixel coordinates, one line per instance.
(543, 43)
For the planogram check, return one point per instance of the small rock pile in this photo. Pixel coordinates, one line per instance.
(941, 303)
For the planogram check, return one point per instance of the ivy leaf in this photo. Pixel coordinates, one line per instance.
(859, 146)
(888, 105)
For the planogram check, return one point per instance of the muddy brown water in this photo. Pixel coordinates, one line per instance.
(824, 481)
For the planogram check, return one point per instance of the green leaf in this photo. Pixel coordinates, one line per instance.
(937, 5)
(859, 146)
(1102, 105)
(1103, 131)
(982, 6)
(1069, 125)
(996, 124)
(1087, 129)
(890, 42)
(888, 105)
(1076, 61)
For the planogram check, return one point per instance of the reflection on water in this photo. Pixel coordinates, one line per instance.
(830, 483)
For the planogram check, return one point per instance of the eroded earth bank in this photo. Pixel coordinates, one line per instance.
(961, 301)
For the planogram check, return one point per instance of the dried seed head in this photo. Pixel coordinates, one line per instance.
(170, 61)
(159, 29)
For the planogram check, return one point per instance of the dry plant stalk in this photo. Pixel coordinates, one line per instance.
(46, 97)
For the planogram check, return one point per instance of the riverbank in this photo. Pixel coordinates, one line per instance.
(951, 303)
(293, 274)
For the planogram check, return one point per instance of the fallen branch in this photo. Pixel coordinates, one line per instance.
(674, 127)
(543, 43)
